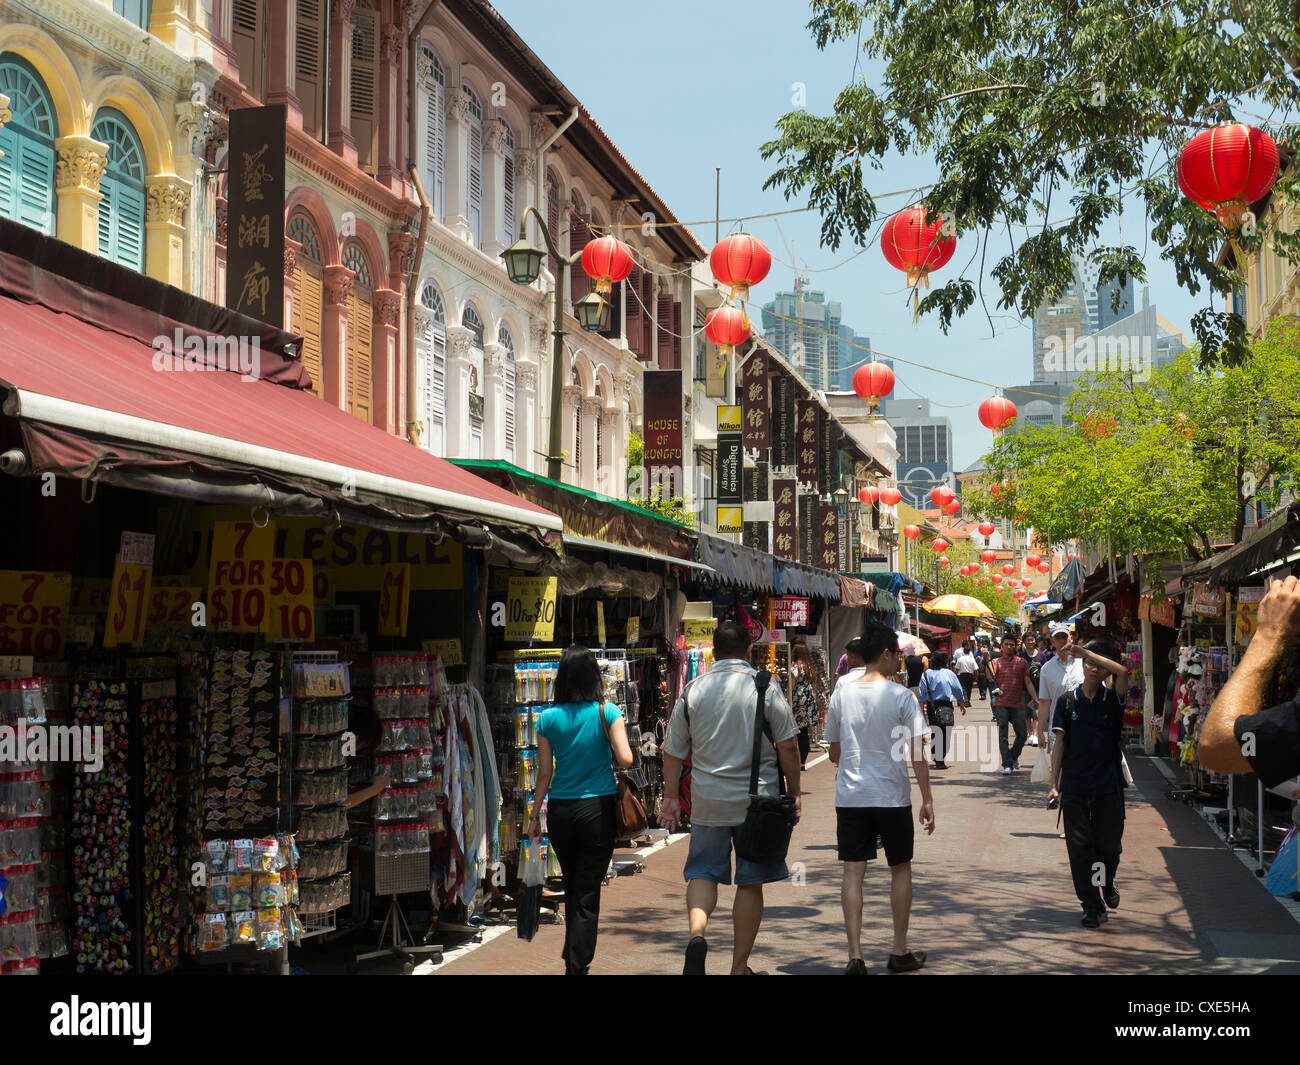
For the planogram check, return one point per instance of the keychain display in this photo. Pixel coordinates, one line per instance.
(249, 896)
(241, 758)
(163, 887)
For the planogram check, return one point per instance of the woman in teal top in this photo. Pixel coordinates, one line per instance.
(585, 738)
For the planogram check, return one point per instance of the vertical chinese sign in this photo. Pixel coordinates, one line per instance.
(808, 440)
(255, 244)
(828, 521)
(829, 457)
(662, 390)
(727, 475)
(755, 491)
(783, 427)
(809, 531)
(756, 401)
(783, 513)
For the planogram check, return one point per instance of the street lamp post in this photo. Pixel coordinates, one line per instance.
(523, 265)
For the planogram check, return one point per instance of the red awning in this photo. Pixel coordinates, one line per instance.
(94, 405)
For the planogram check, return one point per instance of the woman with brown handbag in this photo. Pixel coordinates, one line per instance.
(580, 815)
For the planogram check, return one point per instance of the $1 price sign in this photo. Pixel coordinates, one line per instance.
(128, 604)
(394, 599)
(293, 600)
(530, 609)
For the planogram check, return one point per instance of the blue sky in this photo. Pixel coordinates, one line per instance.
(683, 87)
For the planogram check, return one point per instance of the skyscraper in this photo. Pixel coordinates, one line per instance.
(855, 349)
(815, 349)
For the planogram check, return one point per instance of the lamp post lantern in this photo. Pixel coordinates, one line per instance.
(523, 265)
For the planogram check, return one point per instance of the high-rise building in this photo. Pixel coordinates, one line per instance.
(925, 456)
(855, 349)
(813, 350)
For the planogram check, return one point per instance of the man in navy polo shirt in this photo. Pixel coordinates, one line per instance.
(1086, 776)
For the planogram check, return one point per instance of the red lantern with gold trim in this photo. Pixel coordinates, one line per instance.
(873, 382)
(996, 578)
(939, 545)
(1008, 569)
(727, 327)
(996, 413)
(740, 260)
(988, 556)
(986, 528)
(1046, 567)
(952, 506)
(1032, 559)
(911, 531)
(1226, 169)
(607, 260)
(941, 496)
(916, 245)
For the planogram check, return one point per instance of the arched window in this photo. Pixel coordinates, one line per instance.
(508, 376)
(434, 129)
(553, 213)
(360, 332)
(365, 77)
(474, 167)
(121, 211)
(308, 295)
(434, 343)
(27, 140)
(470, 320)
(508, 187)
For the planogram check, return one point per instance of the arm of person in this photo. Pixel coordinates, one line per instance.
(1031, 693)
(1244, 694)
(1058, 759)
(787, 751)
(1118, 672)
(618, 743)
(832, 733)
(921, 768)
(676, 743)
(545, 770)
(367, 793)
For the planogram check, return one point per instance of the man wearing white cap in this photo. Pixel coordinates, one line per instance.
(1060, 674)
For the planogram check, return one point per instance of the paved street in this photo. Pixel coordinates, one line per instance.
(993, 895)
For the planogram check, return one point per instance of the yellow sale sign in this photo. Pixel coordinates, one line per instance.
(530, 609)
(239, 575)
(395, 600)
(33, 613)
(172, 606)
(292, 613)
(128, 605)
(89, 596)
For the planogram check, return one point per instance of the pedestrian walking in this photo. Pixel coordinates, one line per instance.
(1088, 778)
(965, 666)
(874, 727)
(1240, 734)
(714, 722)
(584, 737)
(941, 693)
(1012, 694)
(807, 708)
(852, 660)
(1035, 659)
(915, 666)
(981, 677)
(1061, 673)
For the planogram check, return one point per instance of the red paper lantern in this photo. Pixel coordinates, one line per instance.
(727, 327)
(606, 260)
(873, 382)
(996, 578)
(869, 495)
(986, 528)
(939, 545)
(1020, 596)
(740, 260)
(941, 496)
(943, 561)
(913, 244)
(1026, 581)
(996, 413)
(1008, 569)
(952, 506)
(1226, 169)
(911, 531)
(988, 556)
(1032, 559)
(1046, 567)
(890, 496)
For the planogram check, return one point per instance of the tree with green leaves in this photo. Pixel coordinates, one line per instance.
(670, 508)
(1044, 119)
(1163, 468)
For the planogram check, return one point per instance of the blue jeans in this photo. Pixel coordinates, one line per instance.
(1016, 718)
(710, 859)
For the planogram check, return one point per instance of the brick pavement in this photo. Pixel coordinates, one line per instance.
(992, 895)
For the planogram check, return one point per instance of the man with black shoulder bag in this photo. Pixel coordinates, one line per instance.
(740, 733)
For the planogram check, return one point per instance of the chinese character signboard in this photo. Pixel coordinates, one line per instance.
(808, 440)
(783, 449)
(756, 400)
(783, 510)
(255, 227)
(809, 531)
(828, 522)
(663, 431)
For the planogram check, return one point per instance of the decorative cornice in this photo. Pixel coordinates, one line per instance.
(401, 255)
(458, 341)
(494, 361)
(423, 69)
(168, 196)
(526, 376)
(540, 127)
(537, 330)
(525, 164)
(457, 104)
(222, 210)
(194, 123)
(423, 318)
(341, 10)
(626, 383)
(494, 136)
(391, 45)
(216, 138)
(572, 395)
(354, 184)
(291, 250)
(81, 163)
(338, 284)
(590, 407)
(388, 307)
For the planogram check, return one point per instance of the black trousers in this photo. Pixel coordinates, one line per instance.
(942, 733)
(1094, 827)
(805, 745)
(967, 683)
(582, 833)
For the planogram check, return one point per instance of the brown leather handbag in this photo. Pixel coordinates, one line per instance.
(630, 820)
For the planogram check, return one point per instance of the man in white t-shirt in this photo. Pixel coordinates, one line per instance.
(875, 727)
(1060, 674)
(964, 665)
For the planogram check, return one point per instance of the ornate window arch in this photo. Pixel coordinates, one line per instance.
(121, 211)
(360, 346)
(27, 140)
(309, 292)
(473, 321)
(431, 341)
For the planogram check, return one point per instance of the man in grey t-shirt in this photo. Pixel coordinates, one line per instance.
(714, 723)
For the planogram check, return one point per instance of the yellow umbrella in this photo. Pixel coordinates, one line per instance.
(962, 606)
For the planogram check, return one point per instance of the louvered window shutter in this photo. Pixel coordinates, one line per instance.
(435, 388)
(309, 62)
(434, 140)
(474, 184)
(677, 334)
(553, 217)
(579, 236)
(615, 329)
(365, 76)
(647, 321)
(634, 312)
(306, 321)
(664, 314)
(508, 197)
(246, 31)
(359, 341)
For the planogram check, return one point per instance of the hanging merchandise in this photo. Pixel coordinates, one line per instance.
(241, 735)
(162, 889)
(250, 896)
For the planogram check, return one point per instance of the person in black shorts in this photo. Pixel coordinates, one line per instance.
(869, 717)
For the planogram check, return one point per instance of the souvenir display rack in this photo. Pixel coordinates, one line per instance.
(775, 658)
